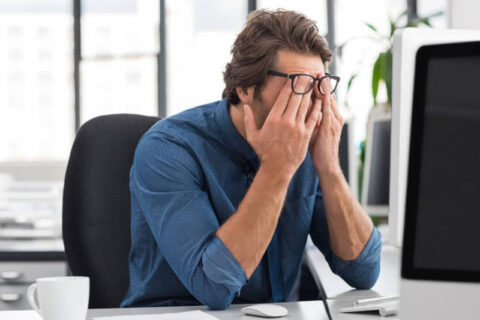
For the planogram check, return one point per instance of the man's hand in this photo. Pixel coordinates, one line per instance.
(281, 144)
(326, 136)
(349, 227)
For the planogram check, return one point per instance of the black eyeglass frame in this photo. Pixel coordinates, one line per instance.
(294, 75)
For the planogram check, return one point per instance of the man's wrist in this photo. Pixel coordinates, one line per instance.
(274, 175)
(329, 174)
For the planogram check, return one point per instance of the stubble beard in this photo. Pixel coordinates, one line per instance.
(260, 110)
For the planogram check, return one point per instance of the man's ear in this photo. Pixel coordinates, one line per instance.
(246, 94)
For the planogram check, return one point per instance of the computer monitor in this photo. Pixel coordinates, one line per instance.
(406, 42)
(344, 152)
(348, 155)
(376, 173)
(440, 260)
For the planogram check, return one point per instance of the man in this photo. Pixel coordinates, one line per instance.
(224, 195)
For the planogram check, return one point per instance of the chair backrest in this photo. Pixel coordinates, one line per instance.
(96, 204)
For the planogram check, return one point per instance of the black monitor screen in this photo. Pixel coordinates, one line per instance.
(343, 151)
(442, 228)
(379, 179)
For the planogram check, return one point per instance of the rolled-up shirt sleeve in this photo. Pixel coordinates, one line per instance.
(167, 183)
(361, 273)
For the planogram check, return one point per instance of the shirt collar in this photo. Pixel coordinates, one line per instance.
(230, 137)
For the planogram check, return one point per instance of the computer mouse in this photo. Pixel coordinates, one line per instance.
(265, 310)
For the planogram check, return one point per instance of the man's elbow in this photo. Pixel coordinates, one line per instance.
(218, 304)
(214, 295)
(365, 284)
(365, 278)
(365, 273)
(220, 300)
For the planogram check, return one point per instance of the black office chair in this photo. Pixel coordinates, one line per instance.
(96, 204)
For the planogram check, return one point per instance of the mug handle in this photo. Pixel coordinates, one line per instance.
(31, 297)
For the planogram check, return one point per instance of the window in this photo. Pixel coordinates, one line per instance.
(200, 34)
(32, 37)
(120, 43)
(119, 65)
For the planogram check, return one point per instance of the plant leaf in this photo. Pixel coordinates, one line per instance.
(393, 27)
(433, 15)
(350, 81)
(371, 27)
(376, 75)
(363, 146)
(424, 21)
(388, 75)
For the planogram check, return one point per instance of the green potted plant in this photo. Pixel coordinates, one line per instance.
(381, 71)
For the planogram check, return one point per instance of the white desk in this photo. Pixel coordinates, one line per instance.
(339, 295)
(305, 310)
(388, 282)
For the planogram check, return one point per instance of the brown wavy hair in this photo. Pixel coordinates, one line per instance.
(255, 49)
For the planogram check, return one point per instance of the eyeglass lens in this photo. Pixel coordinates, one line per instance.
(304, 83)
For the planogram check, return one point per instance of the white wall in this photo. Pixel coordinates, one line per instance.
(463, 14)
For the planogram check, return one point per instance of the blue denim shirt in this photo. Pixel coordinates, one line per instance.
(189, 175)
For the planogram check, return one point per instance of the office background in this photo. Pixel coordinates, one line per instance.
(64, 62)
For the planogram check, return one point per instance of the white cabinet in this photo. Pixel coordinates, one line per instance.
(15, 277)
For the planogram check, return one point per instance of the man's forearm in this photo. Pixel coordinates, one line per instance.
(348, 224)
(249, 230)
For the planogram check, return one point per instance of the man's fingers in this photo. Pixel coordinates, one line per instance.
(304, 105)
(295, 99)
(326, 108)
(249, 120)
(326, 85)
(282, 100)
(334, 108)
(316, 90)
(315, 116)
(318, 97)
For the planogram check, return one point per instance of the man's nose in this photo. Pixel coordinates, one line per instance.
(315, 90)
(316, 86)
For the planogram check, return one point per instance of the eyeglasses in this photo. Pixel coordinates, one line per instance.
(329, 82)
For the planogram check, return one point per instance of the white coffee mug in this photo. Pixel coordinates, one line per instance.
(60, 298)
